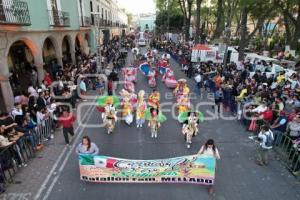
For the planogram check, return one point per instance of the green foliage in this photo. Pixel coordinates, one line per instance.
(175, 19)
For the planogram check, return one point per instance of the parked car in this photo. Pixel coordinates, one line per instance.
(142, 42)
(267, 65)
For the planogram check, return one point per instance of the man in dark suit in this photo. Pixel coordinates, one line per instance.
(41, 101)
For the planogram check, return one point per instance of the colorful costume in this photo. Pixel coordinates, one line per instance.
(153, 99)
(190, 129)
(181, 89)
(154, 124)
(140, 109)
(129, 74)
(151, 78)
(169, 78)
(109, 116)
(162, 65)
(183, 104)
(127, 107)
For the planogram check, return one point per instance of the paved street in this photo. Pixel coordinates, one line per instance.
(237, 176)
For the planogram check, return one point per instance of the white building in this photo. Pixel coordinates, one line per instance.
(108, 20)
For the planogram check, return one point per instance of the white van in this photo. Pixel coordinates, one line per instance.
(272, 66)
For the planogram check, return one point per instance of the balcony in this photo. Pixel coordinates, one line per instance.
(14, 13)
(59, 18)
(85, 21)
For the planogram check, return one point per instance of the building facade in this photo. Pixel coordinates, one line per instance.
(145, 22)
(40, 32)
(108, 20)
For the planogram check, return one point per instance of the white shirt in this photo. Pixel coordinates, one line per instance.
(260, 109)
(40, 118)
(16, 112)
(32, 91)
(210, 152)
(198, 78)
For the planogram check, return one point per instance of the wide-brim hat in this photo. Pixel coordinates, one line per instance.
(141, 94)
(182, 80)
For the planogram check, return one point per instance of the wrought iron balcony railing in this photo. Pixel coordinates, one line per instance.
(59, 18)
(85, 21)
(15, 13)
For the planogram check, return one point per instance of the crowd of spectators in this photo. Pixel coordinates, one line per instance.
(37, 110)
(258, 101)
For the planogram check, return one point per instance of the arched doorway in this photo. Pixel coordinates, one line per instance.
(49, 57)
(78, 47)
(86, 44)
(82, 46)
(66, 50)
(20, 61)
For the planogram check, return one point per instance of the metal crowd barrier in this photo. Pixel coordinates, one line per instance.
(24, 150)
(43, 130)
(288, 153)
(12, 156)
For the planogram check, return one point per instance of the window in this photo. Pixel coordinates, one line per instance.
(91, 6)
(53, 4)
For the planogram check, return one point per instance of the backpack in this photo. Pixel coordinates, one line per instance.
(270, 139)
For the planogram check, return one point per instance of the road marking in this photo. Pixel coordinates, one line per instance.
(66, 158)
(43, 186)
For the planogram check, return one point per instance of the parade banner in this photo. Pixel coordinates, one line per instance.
(196, 169)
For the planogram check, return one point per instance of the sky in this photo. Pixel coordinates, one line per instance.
(138, 6)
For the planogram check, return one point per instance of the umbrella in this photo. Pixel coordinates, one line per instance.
(184, 116)
(145, 68)
(102, 101)
(161, 117)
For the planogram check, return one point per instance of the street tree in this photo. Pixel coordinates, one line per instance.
(198, 20)
(258, 11)
(220, 23)
(186, 9)
(290, 10)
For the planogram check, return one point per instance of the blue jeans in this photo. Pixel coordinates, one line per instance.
(277, 136)
(198, 89)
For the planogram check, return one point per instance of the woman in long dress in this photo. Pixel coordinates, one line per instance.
(141, 109)
(209, 148)
(154, 124)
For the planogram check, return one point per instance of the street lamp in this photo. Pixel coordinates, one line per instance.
(98, 53)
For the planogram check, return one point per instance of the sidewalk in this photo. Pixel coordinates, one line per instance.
(32, 177)
(34, 174)
(29, 179)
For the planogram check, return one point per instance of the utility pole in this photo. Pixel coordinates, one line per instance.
(99, 67)
(168, 20)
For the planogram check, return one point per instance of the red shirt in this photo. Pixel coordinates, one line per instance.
(267, 115)
(67, 122)
(48, 80)
(291, 116)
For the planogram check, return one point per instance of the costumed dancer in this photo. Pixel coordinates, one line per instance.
(151, 78)
(183, 104)
(163, 64)
(181, 89)
(140, 109)
(129, 78)
(133, 99)
(153, 99)
(153, 122)
(109, 115)
(190, 128)
(126, 107)
(169, 78)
